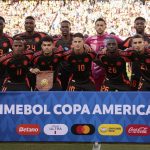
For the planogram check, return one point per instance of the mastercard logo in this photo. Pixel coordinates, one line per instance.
(82, 129)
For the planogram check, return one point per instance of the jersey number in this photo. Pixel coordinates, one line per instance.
(19, 72)
(31, 47)
(112, 70)
(81, 67)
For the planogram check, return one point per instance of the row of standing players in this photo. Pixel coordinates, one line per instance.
(74, 59)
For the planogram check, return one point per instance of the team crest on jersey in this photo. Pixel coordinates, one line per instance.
(147, 60)
(25, 62)
(86, 59)
(105, 62)
(42, 63)
(37, 39)
(119, 63)
(55, 60)
(73, 61)
(12, 66)
(5, 44)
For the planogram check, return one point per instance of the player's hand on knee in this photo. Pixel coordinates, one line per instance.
(35, 70)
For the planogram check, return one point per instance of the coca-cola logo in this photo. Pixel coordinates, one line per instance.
(28, 129)
(138, 130)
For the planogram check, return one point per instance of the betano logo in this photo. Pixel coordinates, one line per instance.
(55, 129)
(110, 129)
(28, 129)
(82, 129)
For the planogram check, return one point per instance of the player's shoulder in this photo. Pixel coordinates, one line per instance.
(27, 52)
(38, 53)
(91, 38)
(23, 34)
(41, 34)
(6, 57)
(56, 38)
(7, 36)
(69, 52)
(101, 52)
(129, 49)
(58, 49)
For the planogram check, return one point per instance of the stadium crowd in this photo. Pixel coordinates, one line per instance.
(119, 15)
(55, 46)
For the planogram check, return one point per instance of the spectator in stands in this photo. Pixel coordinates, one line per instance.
(49, 14)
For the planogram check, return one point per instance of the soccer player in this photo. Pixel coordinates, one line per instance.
(48, 59)
(114, 65)
(97, 43)
(5, 44)
(64, 40)
(5, 40)
(142, 60)
(32, 37)
(80, 61)
(16, 65)
(139, 25)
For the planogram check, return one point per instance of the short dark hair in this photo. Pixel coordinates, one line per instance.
(100, 19)
(18, 38)
(135, 37)
(47, 39)
(66, 21)
(113, 33)
(140, 18)
(1, 18)
(80, 35)
(110, 38)
(30, 17)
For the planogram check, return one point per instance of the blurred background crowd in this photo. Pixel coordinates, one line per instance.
(119, 14)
